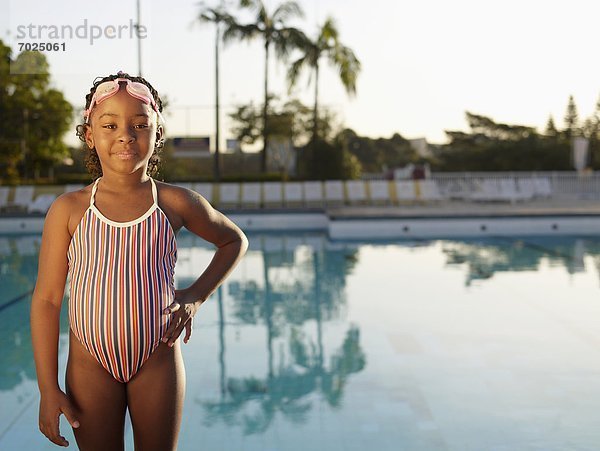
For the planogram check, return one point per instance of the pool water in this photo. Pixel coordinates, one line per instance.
(470, 344)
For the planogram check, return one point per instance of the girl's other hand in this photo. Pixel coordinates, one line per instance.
(51, 406)
(183, 310)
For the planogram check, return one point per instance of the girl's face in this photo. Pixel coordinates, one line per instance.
(123, 130)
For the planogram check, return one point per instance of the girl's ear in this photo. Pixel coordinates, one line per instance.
(89, 138)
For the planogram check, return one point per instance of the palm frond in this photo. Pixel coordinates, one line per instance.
(329, 32)
(287, 10)
(295, 69)
(242, 32)
(288, 39)
(348, 67)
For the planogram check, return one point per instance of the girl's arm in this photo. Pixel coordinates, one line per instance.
(201, 219)
(45, 312)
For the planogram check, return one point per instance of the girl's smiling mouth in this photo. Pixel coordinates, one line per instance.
(125, 154)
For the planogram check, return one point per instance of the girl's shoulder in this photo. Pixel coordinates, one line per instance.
(180, 203)
(70, 207)
(175, 195)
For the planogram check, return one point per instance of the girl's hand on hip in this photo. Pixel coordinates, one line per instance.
(51, 407)
(183, 310)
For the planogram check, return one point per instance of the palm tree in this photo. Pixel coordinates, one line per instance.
(273, 30)
(341, 57)
(217, 16)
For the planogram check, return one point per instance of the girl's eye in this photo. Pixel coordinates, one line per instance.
(109, 126)
(141, 126)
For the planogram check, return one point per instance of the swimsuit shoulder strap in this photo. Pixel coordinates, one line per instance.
(154, 192)
(94, 189)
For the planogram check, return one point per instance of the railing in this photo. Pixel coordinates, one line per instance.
(464, 186)
(564, 185)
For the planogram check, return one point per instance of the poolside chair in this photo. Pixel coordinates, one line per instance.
(429, 190)
(69, 188)
(313, 194)
(526, 187)
(357, 194)
(205, 190)
(379, 191)
(251, 197)
(186, 185)
(292, 194)
(509, 191)
(543, 188)
(229, 195)
(41, 204)
(23, 196)
(487, 190)
(334, 192)
(272, 194)
(405, 190)
(3, 196)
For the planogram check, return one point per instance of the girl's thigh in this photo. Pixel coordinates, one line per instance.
(155, 399)
(100, 401)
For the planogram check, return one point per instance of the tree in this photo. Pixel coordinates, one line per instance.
(291, 119)
(571, 118)
(327, 45)
(33, 117)
(216, 16)
(492, 146)
(551, 128)
(274, 31)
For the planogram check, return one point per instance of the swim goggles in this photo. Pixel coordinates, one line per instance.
(134, 89)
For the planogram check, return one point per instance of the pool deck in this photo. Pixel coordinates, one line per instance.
(413, 216)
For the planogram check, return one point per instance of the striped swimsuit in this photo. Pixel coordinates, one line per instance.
(121, 278)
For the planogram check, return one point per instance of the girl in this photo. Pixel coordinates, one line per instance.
(115, 239)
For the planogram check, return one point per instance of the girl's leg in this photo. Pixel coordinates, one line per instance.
(100, 400)
(155, 399)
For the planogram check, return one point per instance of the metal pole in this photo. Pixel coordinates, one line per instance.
(139, 41)
(217, 122)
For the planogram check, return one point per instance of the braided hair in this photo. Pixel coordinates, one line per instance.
(92, 162)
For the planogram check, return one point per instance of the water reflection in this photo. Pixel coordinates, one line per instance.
(300, 286)
(295, 291)
(484, 258)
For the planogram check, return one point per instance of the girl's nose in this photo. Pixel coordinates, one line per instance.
(127, 136)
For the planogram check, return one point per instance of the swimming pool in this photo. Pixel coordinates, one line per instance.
(487, 343)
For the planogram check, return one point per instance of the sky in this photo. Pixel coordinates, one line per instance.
(424, 63)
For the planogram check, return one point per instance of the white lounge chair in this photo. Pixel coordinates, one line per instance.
(405, 190)
(205, 190)
(73, 187)
(357, 193)
(509, 191)
(292, 194)
(313, 193)
(251, 195)
(429, 190)
(379, 191)
(229, 195)
(273, 196)
(543, 188)
(334, 192)
(487, 190)
(22, 198)
(41, 204)
(526, 187)
(4, 196)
